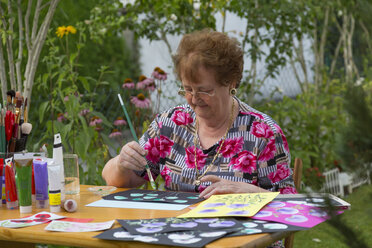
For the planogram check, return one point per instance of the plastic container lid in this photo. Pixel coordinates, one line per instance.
(42, 203)
(25, 209)
(55, 209)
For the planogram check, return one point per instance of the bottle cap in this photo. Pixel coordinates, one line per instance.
(25, 209)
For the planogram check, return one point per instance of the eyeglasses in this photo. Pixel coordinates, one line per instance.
(200, 94)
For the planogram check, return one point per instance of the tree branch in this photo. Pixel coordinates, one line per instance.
(36, 20)
(4, 82)
(36, 49)
(27, 25)
(9, 46)
(20, 47)
(368, 40)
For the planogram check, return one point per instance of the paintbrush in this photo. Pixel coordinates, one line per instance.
(152, 182)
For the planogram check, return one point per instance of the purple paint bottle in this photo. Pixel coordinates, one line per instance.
(41, 183)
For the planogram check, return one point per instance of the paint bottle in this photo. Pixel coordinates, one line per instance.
(23, 166)
(1, 181)
(41, 183)
(58, 159)
(33, 193)
(2, 192)
(10, 186)
(54, 180)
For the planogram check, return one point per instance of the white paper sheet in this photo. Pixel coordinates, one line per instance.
(67, 226)
(141, 205)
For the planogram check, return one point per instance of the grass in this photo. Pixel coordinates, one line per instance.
(344, 230)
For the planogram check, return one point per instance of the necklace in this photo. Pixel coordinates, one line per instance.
(198, 176)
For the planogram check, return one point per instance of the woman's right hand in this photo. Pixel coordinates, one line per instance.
(132, 157)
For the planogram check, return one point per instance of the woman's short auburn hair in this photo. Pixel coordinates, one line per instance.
(214, 51)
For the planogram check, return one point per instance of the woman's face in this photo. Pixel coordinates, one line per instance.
(207, 98)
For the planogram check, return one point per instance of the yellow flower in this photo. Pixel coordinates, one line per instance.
(61, 31)
(71, 29)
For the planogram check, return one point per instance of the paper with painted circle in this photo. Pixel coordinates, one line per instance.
(293, 214)
(228, 205)
(172, 224)
(141, 195)
(184, 239)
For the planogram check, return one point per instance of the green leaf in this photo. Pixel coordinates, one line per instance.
(44, 107)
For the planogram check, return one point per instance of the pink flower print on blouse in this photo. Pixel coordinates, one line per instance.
(261, 130)
(182, 118)
(165, 174)
(231, 147)
(165, 146)
(259, 116)
(282, 172)
(190, 157)
(269, 151)
(288, 190)
(158, 147)
(285, 142)
(245, 162)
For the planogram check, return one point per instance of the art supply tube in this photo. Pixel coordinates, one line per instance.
(1, 181)
(33, 196)
(41, 183)
(54, 179)
(23, 166)
(58, 159)
(10, 188)
(69, 205)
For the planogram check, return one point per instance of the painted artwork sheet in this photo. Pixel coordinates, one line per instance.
(164, 225)
(263, 226)
(315, 200)
(140, 195)
(184, 239)
(293, 214)
(36, 219)
(231, 205)
(69, 226)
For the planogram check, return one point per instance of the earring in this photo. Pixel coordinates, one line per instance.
(233, 91)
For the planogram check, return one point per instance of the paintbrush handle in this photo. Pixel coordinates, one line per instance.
(152, 182)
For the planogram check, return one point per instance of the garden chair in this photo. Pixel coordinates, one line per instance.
(297, 175)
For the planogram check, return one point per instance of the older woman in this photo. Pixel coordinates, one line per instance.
(215, 143)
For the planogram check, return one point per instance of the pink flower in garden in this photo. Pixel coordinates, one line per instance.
(115, 133)
(165, 174)
(182, 118)
(141, 83)
(84, 112)
(65, 99)
(282, 172)
(150, 84)
(159, 74)
(61, 117)
(190, 157)
(231, 147)
(259, 116)
(95, 121)
(288, 190)
(140, 101)
(245, 162)
(98, 128)
(128, 84)
(269, 151)
(158, 147)
(120, 122)
(285, 142)
(261, 130)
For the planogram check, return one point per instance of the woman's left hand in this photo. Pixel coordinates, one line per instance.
(222, 186)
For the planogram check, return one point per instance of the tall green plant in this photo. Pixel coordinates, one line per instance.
(311, 122)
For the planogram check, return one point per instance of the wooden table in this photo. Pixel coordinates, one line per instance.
(29, 236)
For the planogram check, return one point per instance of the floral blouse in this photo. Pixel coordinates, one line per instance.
(255, 151)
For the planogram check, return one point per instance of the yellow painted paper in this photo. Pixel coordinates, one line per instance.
(245, 205)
